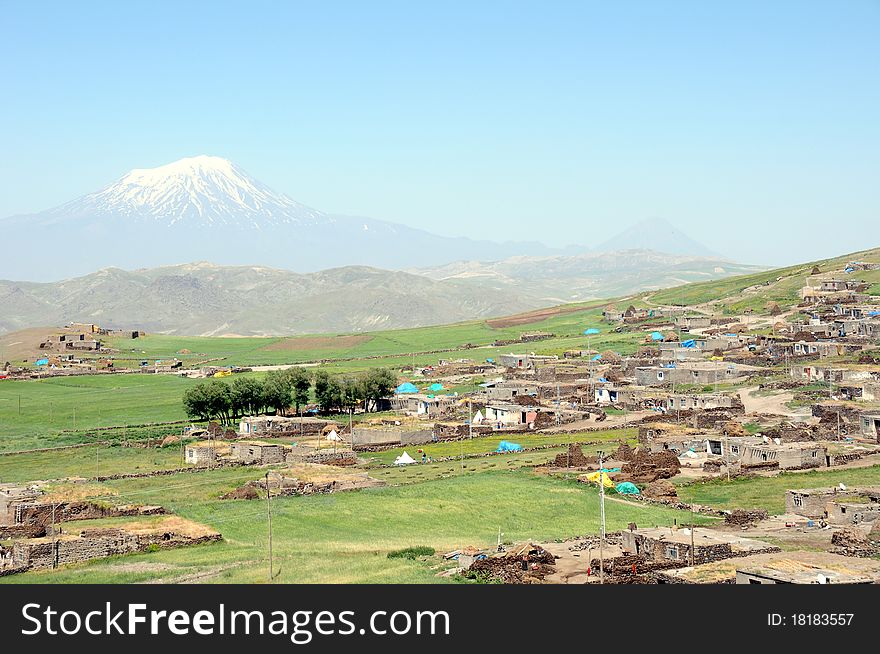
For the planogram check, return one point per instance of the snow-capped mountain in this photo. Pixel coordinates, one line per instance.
(204, 190)
(207, 208)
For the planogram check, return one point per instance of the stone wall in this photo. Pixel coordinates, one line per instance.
(95, 544)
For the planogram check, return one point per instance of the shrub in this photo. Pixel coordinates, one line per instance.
(412, 553)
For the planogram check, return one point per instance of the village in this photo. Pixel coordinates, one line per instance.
(702, 396)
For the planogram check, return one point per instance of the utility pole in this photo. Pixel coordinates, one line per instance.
(601, 518)
(54, 539)
(692, 535)
(558, 400)
(269, 523)
(727, 455)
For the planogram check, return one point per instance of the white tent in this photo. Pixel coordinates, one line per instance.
(404, 459)
(478, 418)
(333, 436)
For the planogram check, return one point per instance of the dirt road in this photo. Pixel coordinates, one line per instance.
(773, 404)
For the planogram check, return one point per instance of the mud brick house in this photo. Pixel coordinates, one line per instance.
(807, 568)
(865, 391)
(837, 505)
(612, 314)
(693, 322)
(510, 415)
(508, 389)
(668, 544)
(256, 452)
(702, 374)
(797, 567)
(869, 425)
(627, 397)
(205, 452)
(364, 437)
(683, 402)
(787, 456)
(420, 404)
(524, 361)
(268, 426)
(13, 500)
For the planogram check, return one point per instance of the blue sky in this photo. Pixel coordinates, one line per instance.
(751, 125)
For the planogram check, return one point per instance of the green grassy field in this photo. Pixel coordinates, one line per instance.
(345, 537)
(490, 443)
(785, 291)
(769, 492)
(67, 410)
(88, 461)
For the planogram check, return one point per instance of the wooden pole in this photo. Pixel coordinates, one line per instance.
(269, 523)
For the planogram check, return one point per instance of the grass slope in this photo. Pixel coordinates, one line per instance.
(345, 538)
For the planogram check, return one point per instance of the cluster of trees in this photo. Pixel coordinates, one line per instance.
(282, 389)
(341, 394)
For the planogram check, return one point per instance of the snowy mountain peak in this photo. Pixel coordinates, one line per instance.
(197, 191)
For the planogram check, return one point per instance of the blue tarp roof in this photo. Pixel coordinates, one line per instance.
(597, 357)
(406, 387)
(656, 336)
(603, 380)
(689, 343)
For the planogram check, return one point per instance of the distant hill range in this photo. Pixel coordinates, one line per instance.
(211, 300)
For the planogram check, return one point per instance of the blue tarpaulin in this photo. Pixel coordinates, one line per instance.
(591, 331)
(627, 488)
(689, 343)
(436, 387)
(507, 446)
(597, 357)
(41, 362)
(656, 336)
(603, 380)
(406, 387)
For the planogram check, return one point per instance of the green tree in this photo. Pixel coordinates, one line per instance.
(300, 385)
(377, 383)
(328, 391)
(219, 400)
(277, 390)
(351, 392)
(208, 401)
(195, 403)
(247, 396)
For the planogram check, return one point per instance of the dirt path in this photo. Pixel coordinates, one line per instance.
(611, 422)
(773, 404)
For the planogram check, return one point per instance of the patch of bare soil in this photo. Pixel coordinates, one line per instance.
(301, 343)
(531, 316)
(23, 344)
